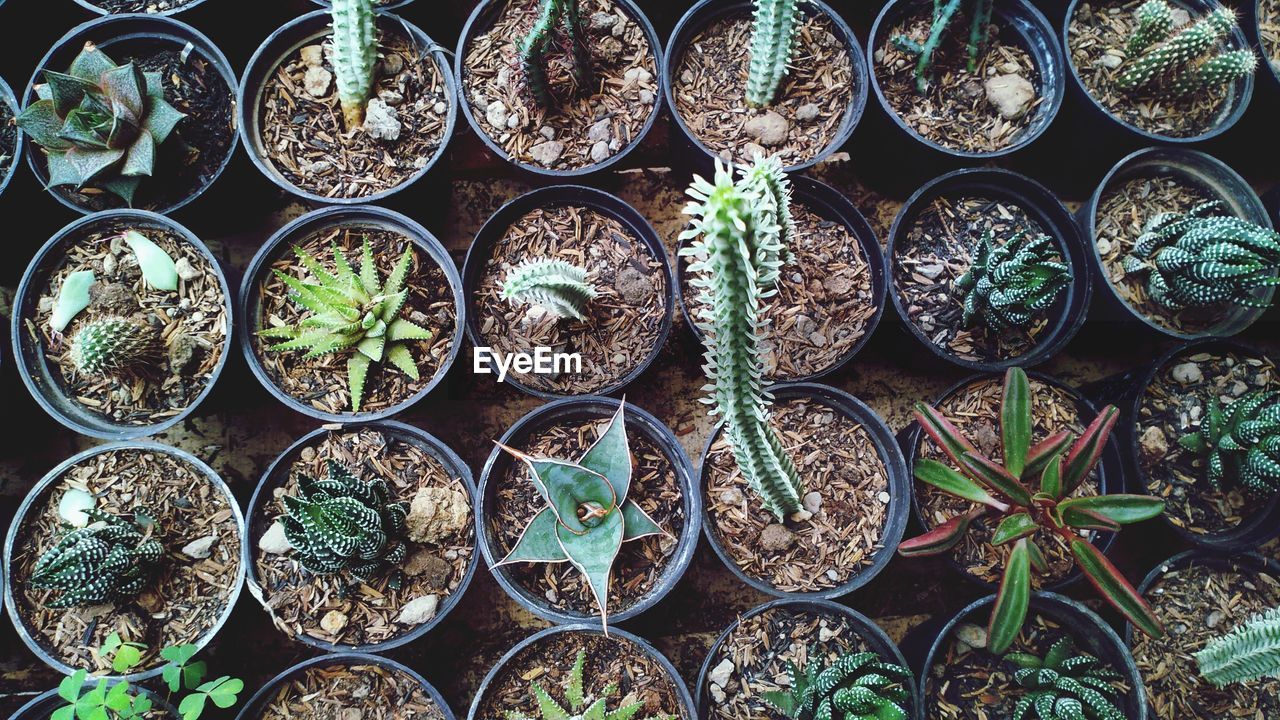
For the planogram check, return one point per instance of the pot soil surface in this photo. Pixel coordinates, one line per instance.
(342, 691)
(8, 139)
(1269, 32)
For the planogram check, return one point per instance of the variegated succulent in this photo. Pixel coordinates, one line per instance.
(1064, 685)
(857, 686)
(108, 561)
(1008, 285)
(1249, 652)
(1241, 441)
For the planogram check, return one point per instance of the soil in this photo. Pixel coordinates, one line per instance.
(937, 251)
(192, 322)
(609, 661)
(640, 564)
(954, 112)
(624, 322)
(975, 410)
(1102, 29)
(116, 7)
(303, 603)
(342, 691)
(1269, 32)
(840, 463)
(1197, 604)
(824, 302)
(305, 137)
(585, 126)
(322, 382)
(8, 139)
(187, 596)
(710, 80)
(1173, 406)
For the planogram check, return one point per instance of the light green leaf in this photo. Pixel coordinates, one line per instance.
(610, 454)
(538, 542)
(566, 486)
(72, 298)
(158, 269)
(593, 554)
(638, 523)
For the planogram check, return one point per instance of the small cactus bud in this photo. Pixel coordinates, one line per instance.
(111, 345)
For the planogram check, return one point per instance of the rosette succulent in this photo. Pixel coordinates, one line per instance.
(1065, 686)
(1241, 441)
(1009, 284)
(108, 561)
(857, 686)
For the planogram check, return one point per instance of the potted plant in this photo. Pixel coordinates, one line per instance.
(824, 650)
(151, 7)
(632, 473)
(346, 682)
(579, 666)
(122, 324)
(559, 87)
(573, 269)
(764, 77)
(346, 106)
(1147, 213)
(1265, 26)
(147, 534)
(988, 270)
(152, 120)
(11, 140)
(394, 290)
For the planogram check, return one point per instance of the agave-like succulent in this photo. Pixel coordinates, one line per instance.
(581, 707)
(108, 561)
(1241, 441)
(1065, 686)
(857, 686)
(1008, 284)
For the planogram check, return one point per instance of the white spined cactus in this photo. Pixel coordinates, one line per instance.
(355, 56)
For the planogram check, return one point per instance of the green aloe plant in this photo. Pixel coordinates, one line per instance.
(1249, 652)
(944, 12)
(1009, 284)
(857, 686)
(1188, 58)
(1241, 441)
(109, 561)
(559, 23)
(1064, 685)
(581, 706)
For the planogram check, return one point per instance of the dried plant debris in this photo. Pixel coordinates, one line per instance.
(8, 139)
(302, 128)
(336, 608)
(824, 300)
(193, 581)
(848, 502)
(805, 118)
(975, 410)
(322, 382)
(1196, 605)
(623, 323)
(939, 248)
(188, 326)
(342, 691)
(1269, 32)
(117, 7)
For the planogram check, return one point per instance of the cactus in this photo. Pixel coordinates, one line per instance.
(1065, 686)
(109, 561)
(1008, 284)
(1250, 652)
(343, 523)
(772, 37)
(352, 313)
(554, 285)
(944, 11)
(1154, 23)
(112, 345)
(100, 124)
(1155, 53)
(1241, 441)
(858, 685)
(737, 248)
(559, 23)
(1200, 259)
(355, 56)
(581, 707)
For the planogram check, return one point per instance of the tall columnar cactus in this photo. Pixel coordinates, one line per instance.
(736, 236)
(1008, 284)
(581, 706)
(1250, 652)
(355, 56)
(1201, 259)
(944, 11)
(559, 25)
(113, 344)
(857, 685)
(109, 561)
(1186, 59)
(1241, 441)
(772, 37)
(1065, 686)
(554, 285)
(1154, 22)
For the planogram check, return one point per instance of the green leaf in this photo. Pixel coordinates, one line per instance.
(1051, 478)
(402, 330)
(41, 121)
(72, 298)
(593, 554)
(118, 697)
(223, 691)
(124, 85)
(953, 482)
(87, 164)
(127, 657)
(1120, 508)
(995, 477)
(1038, 561)
(357, 371)
(124, 187)
(399, 273)
(192, 706)
(1087, 451)
(368, 269)
(141, 159)
(1014, 527)
(399, 355)
(637, 523)
(940, 539)
(784, 702)
(1115, 588)
(1039, 456)
(1084, 519)
(179, 654)
(538, 542)
(1015, 420)
(66, 712)
(566, 486)
(91, 63)
(161, 119)
(69, 688)
(610, 455)
(1012, 601)
(943, 432)
(158, 269)
(111, 643)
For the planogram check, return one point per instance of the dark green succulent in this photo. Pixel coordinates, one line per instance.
(581, 706)
(1008, 284)
(1241, 441)
(1065, 686)
(109, 561)
(858, 686)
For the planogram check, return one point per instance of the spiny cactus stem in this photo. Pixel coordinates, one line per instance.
(534, 47)
(772, 37)
(355, 53)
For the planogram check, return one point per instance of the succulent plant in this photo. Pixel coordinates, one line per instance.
(100, 124)
(554, 285)
(1200, 259)
(1241, 441)
(588, 515)
(581, 707)
(109, 561)
(944, 11)
(737, 248)
(355, 56)
(111, 345)
(1065, 686)
(1153, 23)
(857, 686)
(1030, 491)
(559, 24)
(772, 36)
(1009, 284)
(1183, 62)
(352, 313)
(1250, 652)
(345, 524)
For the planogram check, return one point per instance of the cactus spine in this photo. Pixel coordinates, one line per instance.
(554, 285)
(355, 56)
(1154, 53)
(565, 16)
(1250, 652)
(1155, 22)
(113, 344)
(772, 38)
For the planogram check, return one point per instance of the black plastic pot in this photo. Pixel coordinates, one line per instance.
(113, 31)
(1089, 632)
(46, 703)
(481, 20)
(42, 378)
(696, 155)
(253, 709)
(1197, 169)
(248, 310)
(560, 195)
(7, 172)
(1041, 206)
(311, 29)
(687, 710)
(829, 204)
(899, 489)
(47, 484)
(393, 5)
(581, 410)
(277, 475)
(875, 638)
(86, 4)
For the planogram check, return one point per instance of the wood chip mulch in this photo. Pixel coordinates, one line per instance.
(937, 251)
(185, 598)
(335, 608)
(1269, 32)
(623, 322)
(587, 125)
(8, 138)
(838, 462)
(1197, 604)
(342, 691)
(322, 382)
(710, 80)
(116, 7)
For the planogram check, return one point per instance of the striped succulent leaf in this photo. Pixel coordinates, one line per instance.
(1064, 685)
(1249, 652)
(1241, 442)
(109, 561)
(1009, 285)
(857, 685)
